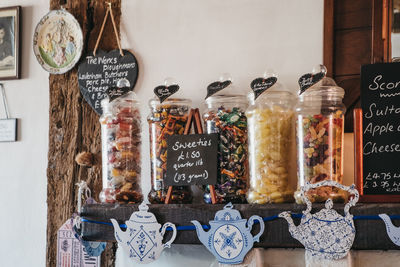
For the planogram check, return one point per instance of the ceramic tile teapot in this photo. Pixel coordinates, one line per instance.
(143, 238)
(325, 234)
(229, 239)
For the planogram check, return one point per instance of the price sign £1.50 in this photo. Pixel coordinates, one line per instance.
(192, 159)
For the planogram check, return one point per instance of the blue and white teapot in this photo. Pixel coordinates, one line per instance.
(143, 237)
(325, 234)
(229, 239)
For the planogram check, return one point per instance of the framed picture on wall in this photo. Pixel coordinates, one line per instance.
(9, 43)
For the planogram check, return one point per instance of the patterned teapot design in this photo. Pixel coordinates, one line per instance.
(228, 238)
(325, 234)
(142, 239)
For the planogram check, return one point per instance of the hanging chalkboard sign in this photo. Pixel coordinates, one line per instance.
(216, 87)
(260, 85)
(99, 73)
(309, 79)
(115, 92)
(380, 102)
(192, 159)
(163, 91)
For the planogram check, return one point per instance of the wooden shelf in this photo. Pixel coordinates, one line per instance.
(371, 234)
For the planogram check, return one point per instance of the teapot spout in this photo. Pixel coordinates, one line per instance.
(392, 231)
(292, 228)
(201, 234)
(117, 230)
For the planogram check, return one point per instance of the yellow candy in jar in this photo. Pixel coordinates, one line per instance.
(270, 127)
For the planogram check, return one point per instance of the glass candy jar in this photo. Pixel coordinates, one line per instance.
(165, 119)
(270, 126)
(225, 115)
(120, 138)
(320, 137)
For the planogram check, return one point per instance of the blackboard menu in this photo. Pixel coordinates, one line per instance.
(97, 74)
(192, 159)
(380, 102)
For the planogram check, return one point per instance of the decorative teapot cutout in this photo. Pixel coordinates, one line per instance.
(229, 239)
(143, 238)
(325, 234)
(392, 231)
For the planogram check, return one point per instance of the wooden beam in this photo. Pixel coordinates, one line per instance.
(74, 127)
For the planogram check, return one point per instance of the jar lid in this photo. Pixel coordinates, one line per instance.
(277, 91)
(153, 102)
(126, 99)
(325, 87)
(226, 98)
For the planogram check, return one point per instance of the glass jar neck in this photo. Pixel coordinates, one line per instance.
(155, 103)
(226, 101)
(281, 98)
(323, 98)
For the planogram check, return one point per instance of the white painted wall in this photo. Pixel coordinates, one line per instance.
(23, 164)
(191, 40)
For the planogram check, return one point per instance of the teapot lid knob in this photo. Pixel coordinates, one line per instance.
(228, 206)
(143, 207)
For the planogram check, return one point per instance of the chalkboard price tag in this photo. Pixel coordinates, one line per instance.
(8, 130)
(380, 102)
(99, 73)
(309, 79)
(260, 85)
(216, 87)
(192, 159)
(163, 91)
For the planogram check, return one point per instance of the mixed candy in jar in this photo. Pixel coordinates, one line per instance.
(226, 116)
(322, 143)
(120, 132)
(166, 119)
(270, 120)
(320, 137)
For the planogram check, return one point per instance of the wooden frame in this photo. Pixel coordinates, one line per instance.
(10, 54)
(358, 159)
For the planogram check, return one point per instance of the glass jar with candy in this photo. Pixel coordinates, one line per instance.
(320, 138)
(121, 140)
(270, 125)
(225, 115)
(166, 119)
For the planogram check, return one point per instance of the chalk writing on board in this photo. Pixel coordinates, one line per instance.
(99, 73)
(191, 159)
(380, 101)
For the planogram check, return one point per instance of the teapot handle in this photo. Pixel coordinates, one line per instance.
(351, 189)
(250, 223)
(164, 228)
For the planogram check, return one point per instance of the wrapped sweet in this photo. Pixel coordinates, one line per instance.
(320, 137)
(270, 119)
(121, 140)
(225, 115)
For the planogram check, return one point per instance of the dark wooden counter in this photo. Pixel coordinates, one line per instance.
(371, 234)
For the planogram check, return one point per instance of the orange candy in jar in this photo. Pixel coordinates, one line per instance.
(120, 133)
(320, 137)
